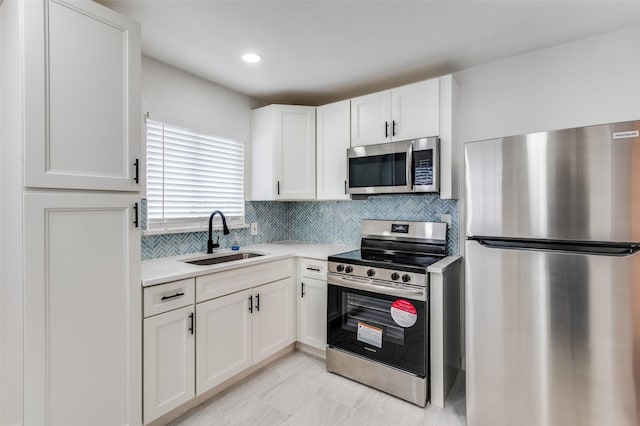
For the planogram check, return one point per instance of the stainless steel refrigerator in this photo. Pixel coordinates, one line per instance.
(552, 283)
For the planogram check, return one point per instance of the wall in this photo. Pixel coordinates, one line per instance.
(589, 81)
(272, 226)
(329, 222)
(171, 94)
(338, 222)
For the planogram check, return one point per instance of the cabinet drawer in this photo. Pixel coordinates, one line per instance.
(312, 268)
(227, 282)
(165, 297)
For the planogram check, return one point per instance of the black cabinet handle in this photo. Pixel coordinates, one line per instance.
(278, 187)
(302, 291)
(258, 302)
(309, 268)
(250, 304)
(172, 296)
(135, 220)
(386, 129)
(191, 322)
(136, 164)
(345, 187)
(393, 128)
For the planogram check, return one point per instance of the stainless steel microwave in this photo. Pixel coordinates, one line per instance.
(394, 167)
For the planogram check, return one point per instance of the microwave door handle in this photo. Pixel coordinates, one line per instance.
(409, 171)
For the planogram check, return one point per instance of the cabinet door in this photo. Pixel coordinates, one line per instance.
(169, 361)
(223, 333)
(263, 186)
(313, 312)
(82, 97)
(295, 131)
(333, 140)
(415, 110)
(82, 301)
(274, 318)
(371, 119)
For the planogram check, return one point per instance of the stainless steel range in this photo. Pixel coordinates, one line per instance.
(378, 307)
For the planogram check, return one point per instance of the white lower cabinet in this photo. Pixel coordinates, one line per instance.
(312, 303)
(224, 339)
(313, 313)
(237, 331)
(273, 318)
(208, 337)
(169, 361)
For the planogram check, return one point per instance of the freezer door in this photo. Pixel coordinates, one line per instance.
(552, 338)
(574, 184)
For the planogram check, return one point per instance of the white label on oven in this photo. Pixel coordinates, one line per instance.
(624, 135)
(370, 334)
(404, 313)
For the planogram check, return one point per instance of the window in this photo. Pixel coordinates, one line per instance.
(189, 175)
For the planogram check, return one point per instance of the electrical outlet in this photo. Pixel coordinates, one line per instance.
(444, 217)
(254, 228)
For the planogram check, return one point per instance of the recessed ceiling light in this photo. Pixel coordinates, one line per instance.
(251, 57)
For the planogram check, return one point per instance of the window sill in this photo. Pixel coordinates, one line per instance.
(201, 228)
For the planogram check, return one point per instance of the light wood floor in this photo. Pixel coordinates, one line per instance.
(297, 390)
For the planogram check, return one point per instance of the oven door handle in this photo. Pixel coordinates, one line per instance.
(369, 285)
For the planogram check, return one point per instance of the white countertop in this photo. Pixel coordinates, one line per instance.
(165, 269)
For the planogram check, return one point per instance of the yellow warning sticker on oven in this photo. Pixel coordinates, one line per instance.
(370, 334)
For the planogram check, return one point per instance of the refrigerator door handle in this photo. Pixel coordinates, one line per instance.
(596, 249)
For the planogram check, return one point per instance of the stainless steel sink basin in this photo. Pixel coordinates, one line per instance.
(223, 258)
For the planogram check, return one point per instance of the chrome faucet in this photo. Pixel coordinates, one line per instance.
(225, 231)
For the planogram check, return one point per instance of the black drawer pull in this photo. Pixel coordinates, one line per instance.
(313, 269)
(136, 164)
(135, 220)
(173, 296)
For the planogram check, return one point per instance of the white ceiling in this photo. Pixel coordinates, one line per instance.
(316, 52)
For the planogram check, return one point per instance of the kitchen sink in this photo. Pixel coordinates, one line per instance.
(223, 258)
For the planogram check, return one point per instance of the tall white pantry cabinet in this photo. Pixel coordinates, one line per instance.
(70, 297)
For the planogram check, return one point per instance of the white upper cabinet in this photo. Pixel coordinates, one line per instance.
(450, 149)
(415, 110)
(333, 140)
(82, 97)
(370, 118)
(283, 153)
(406, 112)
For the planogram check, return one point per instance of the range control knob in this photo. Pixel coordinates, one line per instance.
(340, 268)
(371, 272)
(406, 278)
(395, 276)
(348, 269)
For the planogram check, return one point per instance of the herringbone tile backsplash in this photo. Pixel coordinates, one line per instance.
(329, 222)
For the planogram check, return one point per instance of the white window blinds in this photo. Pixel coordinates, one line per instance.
(189, 175)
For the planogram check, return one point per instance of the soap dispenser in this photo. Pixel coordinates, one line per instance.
(235, 245)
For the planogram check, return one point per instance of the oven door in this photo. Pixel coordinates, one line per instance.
(386, 323)
(382, 168)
